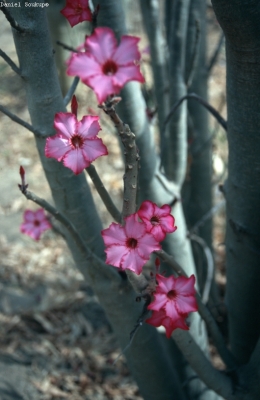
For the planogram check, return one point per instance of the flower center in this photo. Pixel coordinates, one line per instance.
(76, 141)
(171, 294)
(131, 243)
(109, 68)
(78, 9)
(154, 220)
(36, 223)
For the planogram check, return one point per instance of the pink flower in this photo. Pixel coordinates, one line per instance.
(129, 246)
(159, 318)
(174, 300)
(158, 221)
(77, 11)
(76, 142)
(106, 66)
(35, 223)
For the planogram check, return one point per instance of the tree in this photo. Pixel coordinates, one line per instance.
(161, 181)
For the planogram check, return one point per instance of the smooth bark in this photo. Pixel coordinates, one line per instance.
(240, 23)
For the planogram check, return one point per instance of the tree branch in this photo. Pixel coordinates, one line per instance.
(22, 122)
(210, 266)
(11, 20)
(216, 53)
(66, 47)
(110, 206)
(194, 96)
(139, 282)
(131, 158)
(88, 254)
(213, 378)
(151, 19)
(174, 139)
(207, 216)
(10, 62)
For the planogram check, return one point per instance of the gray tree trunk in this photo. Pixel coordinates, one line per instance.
(240, 23)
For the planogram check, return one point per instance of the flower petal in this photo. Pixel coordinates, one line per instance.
(115, 255)
(101, 44)
(171, 310)
(45, 225)
(166, 209)
(57, 147)
(133, 261)
(159, 302)
(186, 304)
(167, 223)
(83, 65)
(146, 245)
(75, 160)
(127, 51)
(146, 210)
(134, 228)
(89, 126)
(170, 325)
(103, 85)
(156, 318)
(114, 235)
(127, 73)
(93, 149)
(39, 214)
(185, 286)
(158, 233)
(165, 284)
(65, 124)
(28, 216)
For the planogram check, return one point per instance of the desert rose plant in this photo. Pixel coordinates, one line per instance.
(164, 330)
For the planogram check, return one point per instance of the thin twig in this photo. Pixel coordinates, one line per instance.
(137, 326)
(66, 47)
(199, 149)
(207, 216)
(22, 122)
(10, 62)
(219, 341)
(216, 53)
(110, 206)
(194, 96)
(168, 186)
(71, 91)
(88, 254)
(210, 266)
(11, 20)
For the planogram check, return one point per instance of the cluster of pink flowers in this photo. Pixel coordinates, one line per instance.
(130, 246)
(174, 299)
(34, 223)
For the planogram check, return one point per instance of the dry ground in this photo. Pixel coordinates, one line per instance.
(46, 334)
